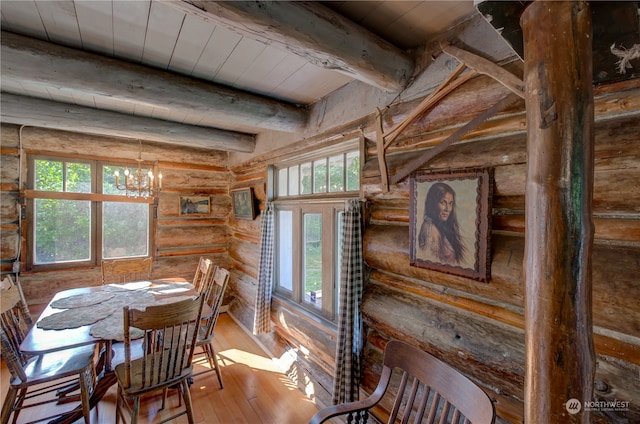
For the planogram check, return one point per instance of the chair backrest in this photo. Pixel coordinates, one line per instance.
(126, 270)
(203, 274)
(12, 356)
(15, 322)
(430, 388)
(213, 299)
(170, 334)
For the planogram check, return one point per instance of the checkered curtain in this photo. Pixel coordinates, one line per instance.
(349, 348)
(262, 317)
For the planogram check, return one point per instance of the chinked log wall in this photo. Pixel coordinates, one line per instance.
(181, 239)
(476, 327)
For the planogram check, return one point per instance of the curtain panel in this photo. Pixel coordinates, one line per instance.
(262, 313)
(350, 344)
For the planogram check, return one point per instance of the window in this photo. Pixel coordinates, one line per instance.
(78, 217)
(309, 202)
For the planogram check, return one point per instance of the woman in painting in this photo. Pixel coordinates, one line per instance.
(440, 234)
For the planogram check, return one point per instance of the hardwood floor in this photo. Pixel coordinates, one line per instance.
(255, 390)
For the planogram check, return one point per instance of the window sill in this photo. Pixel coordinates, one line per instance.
(305, 314)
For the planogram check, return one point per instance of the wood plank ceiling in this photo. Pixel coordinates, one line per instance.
(202, 73)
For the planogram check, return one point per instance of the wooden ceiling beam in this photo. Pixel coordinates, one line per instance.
(30, 62)
(30, 111)
(315, 33)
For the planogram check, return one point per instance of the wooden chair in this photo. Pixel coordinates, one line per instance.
(41, 379)
(203, 274)
(428, 389)
(116, 271)
(170, 333)
(214, 297)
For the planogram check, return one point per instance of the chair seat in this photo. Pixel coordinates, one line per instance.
(56, 365)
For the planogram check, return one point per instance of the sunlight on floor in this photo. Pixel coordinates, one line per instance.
(286, 366)
(231, 356)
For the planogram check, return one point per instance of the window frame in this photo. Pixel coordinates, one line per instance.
(330, 204)
(330, 212)
(97, 199)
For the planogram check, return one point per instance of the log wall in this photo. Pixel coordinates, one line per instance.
(476, 327)
(180, 239)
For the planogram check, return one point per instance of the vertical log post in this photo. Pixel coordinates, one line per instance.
(559, 229)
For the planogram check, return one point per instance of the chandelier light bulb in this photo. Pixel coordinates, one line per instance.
(139, 182)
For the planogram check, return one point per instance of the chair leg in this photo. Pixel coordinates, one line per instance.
(186, 395)
(85, 393)
(214, 358)
(164, 398)
(118, 404)
(7, 406)
(17, 404)
(136, 410)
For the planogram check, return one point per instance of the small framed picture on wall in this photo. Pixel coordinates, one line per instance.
(195, 205)
(243, 203)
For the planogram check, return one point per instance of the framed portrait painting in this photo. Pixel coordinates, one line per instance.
(243, 203)
(450, 222)
(195, 205)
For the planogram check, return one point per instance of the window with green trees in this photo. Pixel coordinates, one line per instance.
(78, 216)
(309, 197)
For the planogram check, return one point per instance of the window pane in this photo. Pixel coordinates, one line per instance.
(353, 171)
(294, 181)
(282, 182)
(62, 231)
(109, 180)
(336, 173)
(78, 178)
(305, 178)
(125, 229)
(320, 176)
(312, 266)
(48, 175)
(285, 249)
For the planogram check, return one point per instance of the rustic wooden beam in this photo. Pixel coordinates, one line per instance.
(447, 86)
(560, 363)
(380, 152)
(30, 111)
(425, 157)
(383, 141)
(485, 67)
(30, 62)
(315, 33)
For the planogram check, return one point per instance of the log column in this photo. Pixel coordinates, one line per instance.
(559, 228)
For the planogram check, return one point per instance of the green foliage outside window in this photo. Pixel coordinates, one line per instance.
(62, 229)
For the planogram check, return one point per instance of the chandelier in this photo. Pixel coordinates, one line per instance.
(139, 182)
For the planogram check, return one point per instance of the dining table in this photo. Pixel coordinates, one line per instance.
(94, 315)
